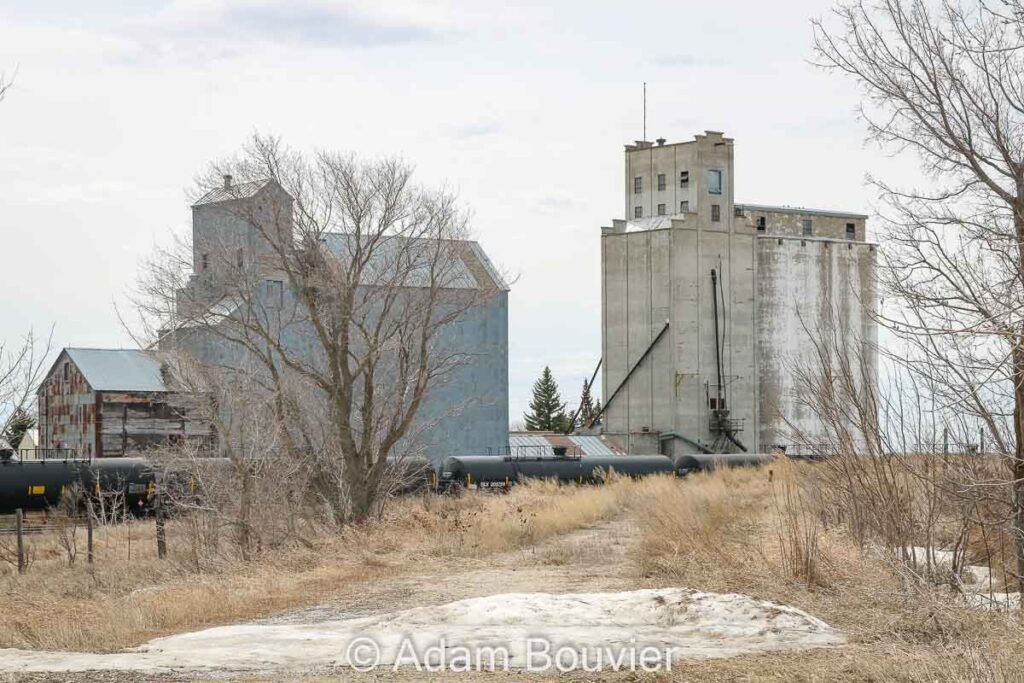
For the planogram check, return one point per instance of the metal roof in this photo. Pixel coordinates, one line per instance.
(410, 259)
(529, 444)
(593, 445)
(118, 369)
(227, 194)
(543, 443)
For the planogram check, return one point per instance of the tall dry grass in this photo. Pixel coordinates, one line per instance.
(780, 533)
(120, 602)
(695, 530)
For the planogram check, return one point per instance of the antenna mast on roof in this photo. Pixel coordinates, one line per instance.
(645, 110)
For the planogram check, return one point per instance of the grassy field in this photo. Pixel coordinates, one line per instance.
(760, 532)
(128, 596)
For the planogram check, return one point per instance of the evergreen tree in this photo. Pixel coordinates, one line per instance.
(597, 412)
(21, 421)
(547, 411)
(586, 405)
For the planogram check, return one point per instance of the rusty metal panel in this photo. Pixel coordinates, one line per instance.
(67, 410)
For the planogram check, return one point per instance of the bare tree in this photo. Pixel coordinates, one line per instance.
(339, 290)
(22, 367)
(942, 81)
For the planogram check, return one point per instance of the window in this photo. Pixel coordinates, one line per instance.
(714, 403)
(738, 212)
(638, 212)
(684, 207)
(275, 293)
(661, 181)
(638, 185)
(714, 182)
(851, 231)
(805, 227)
(761, 224)
(67, 370)
(716, 213)
(661, 209)
(204, 262)
(684, 178)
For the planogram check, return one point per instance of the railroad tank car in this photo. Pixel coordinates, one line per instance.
(39, 484)
(488, 471)
(700, 462)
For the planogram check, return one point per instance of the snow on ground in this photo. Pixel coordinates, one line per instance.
(977, 581)
(597, 627)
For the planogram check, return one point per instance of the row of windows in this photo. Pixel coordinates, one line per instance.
(714, 182)
(684, 207)
(806, 225)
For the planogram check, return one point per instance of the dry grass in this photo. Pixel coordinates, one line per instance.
(764, 533)
(120, 602)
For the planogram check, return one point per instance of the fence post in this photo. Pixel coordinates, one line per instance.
(19, 519)
(945, 440)
(161, 534)
(88, 529)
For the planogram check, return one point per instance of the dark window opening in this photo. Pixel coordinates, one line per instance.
(684, 207)
(638, 212)
(805, 226)
(638, 185)
(67, 370)
(714, 403)
(204, 262)
(761, 224)
(738, 212)
(714, 182)
(851, 231)
(684, 178)
(661, 181)
(661, 209)
(716, 213)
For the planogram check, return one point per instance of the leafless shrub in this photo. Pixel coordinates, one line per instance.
(64, 521)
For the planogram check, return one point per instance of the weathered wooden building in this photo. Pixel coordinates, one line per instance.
(112, 402)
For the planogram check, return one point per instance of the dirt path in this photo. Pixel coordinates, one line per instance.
(596, 558)
(582, 586)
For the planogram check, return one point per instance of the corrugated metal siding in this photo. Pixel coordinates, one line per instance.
(67, 410)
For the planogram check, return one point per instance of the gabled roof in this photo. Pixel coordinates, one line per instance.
(115, 369)
(233, 192)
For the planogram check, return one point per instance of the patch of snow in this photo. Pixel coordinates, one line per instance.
(977, 589)
(684, 623)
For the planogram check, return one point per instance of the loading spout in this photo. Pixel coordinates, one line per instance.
(735, 441)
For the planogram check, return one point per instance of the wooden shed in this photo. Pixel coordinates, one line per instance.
(112, 402)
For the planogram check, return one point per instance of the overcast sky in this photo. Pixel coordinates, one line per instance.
(522, 107)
